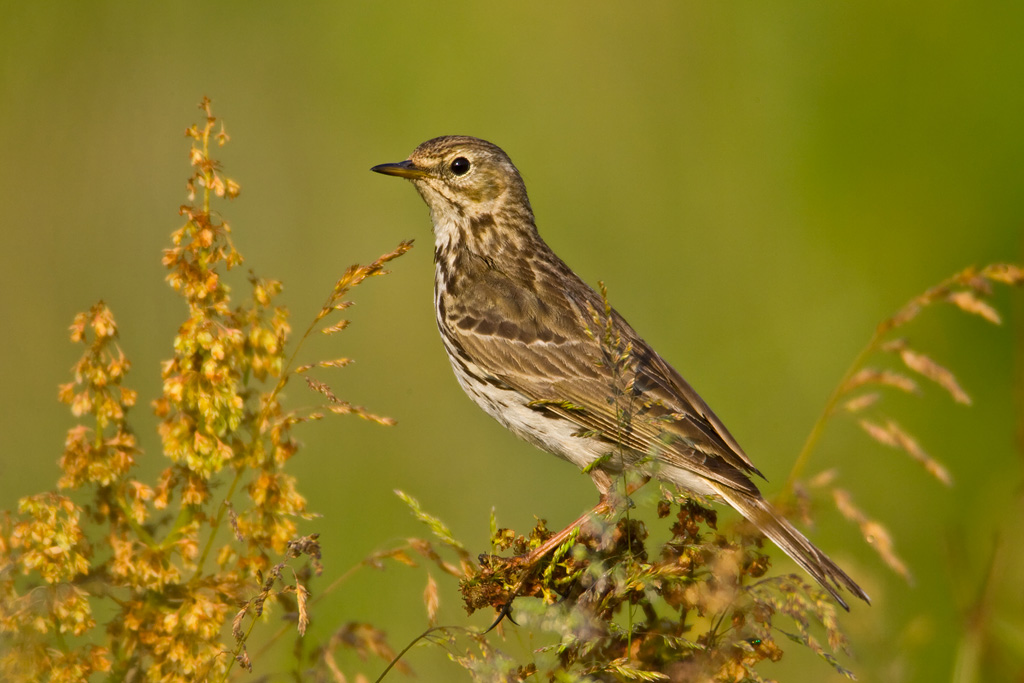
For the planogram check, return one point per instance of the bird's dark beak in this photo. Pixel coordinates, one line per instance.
(403, 169)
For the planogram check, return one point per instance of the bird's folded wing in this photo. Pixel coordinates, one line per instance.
(648, 408)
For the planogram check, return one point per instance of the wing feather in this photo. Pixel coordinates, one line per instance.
(564, 374)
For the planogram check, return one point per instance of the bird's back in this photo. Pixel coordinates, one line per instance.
(531, 326)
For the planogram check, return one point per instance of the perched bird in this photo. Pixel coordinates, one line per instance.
(524, 336)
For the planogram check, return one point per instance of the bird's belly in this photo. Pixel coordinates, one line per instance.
(555, 435)
(544, 430)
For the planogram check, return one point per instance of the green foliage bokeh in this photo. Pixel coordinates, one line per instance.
(757, 185)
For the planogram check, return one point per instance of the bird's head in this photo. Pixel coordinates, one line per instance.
(465, 181)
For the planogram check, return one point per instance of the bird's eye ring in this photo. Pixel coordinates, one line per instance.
(459, 166)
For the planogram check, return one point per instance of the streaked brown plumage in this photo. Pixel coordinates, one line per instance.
(514, 320)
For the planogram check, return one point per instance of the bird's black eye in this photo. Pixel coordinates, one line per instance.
(460, 166)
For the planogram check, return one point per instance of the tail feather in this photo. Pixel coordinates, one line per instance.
(816, 563)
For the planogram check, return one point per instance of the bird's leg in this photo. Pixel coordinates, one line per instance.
(605, 485)
(603, 507)
(532, 560)
(608, 502)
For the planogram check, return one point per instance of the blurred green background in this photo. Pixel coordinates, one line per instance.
(759, 184)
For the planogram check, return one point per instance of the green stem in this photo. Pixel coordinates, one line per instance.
(215, 527)
(286, 373)
(830, 407)
(321, 595)
(143, 535)
(62, 643)
(238, 649)
(408, 647)
(207, 174)
(185, 516)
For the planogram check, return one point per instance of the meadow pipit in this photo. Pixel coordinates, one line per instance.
(532, 345)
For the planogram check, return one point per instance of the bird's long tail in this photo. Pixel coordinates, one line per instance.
(816, 563)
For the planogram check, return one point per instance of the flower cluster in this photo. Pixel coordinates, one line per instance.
(153, 554)
(699, 607)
